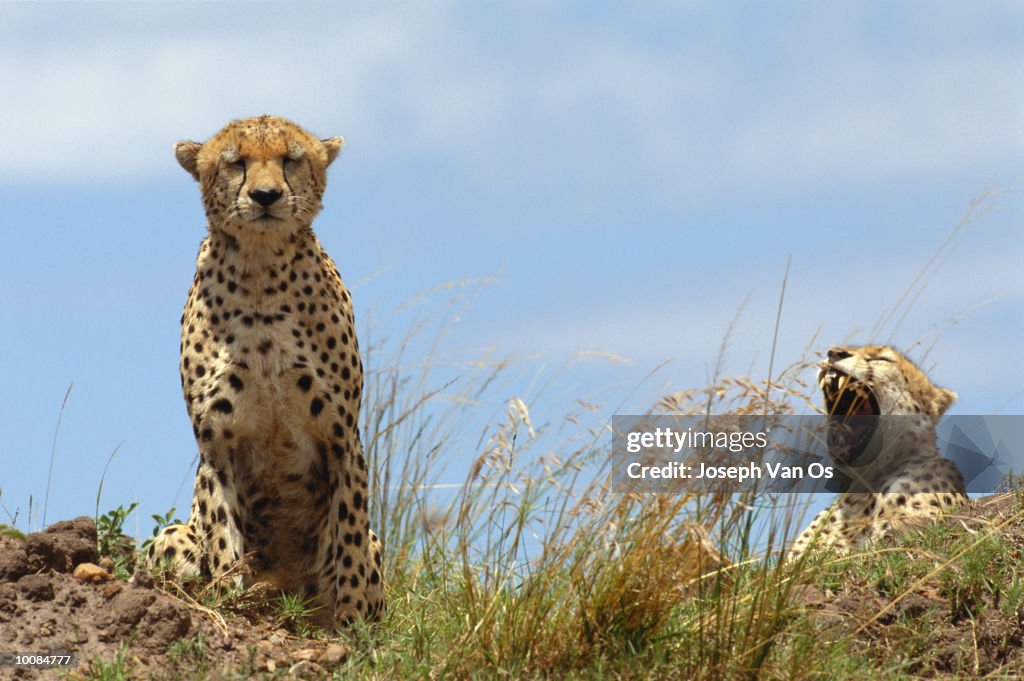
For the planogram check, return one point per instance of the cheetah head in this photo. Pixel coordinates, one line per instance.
(860, 383)
(260, 177)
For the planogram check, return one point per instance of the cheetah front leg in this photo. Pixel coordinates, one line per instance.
(356, 549)
(211, 542)
(217, 515)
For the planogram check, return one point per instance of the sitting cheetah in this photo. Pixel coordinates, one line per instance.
(272, 378)
(894, 461)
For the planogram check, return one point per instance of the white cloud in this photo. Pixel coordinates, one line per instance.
(124, 98)
(121, 82)
(865, 117)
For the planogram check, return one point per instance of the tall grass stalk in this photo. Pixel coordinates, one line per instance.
(53, 451)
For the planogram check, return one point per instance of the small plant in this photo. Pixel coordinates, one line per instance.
(10, 531)
(187, 659)
(116, 669)
(112, 542)
(294, 612)
(161, 521)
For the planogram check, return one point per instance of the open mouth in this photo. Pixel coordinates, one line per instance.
(852, 410)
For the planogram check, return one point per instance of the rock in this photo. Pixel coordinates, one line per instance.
(142, 579)
(335, 654)
(90, 572)
(112, 589)
(302, 669)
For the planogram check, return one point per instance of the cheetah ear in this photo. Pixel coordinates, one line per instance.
(187, 154)
(943, 399)
(333, 146)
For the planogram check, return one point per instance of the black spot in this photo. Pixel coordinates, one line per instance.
(305, 382)
(316, 406)
(223, 406)
(235, 382)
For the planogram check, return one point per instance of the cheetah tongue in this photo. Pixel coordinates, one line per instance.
(865, 408)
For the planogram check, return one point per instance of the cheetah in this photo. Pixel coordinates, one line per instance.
(894, 462)
(272, 378)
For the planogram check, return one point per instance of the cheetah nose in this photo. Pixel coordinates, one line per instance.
(837, 354)
(264, 195)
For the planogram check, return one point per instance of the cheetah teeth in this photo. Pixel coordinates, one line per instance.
(826, 379)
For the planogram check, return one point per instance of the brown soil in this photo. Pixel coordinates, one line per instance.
(48, 607)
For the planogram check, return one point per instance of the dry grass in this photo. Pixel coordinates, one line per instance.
(533, 566)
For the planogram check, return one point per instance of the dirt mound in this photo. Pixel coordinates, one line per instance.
(961, 616)
(56, 598)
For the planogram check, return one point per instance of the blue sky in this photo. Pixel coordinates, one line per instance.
(624, 176)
